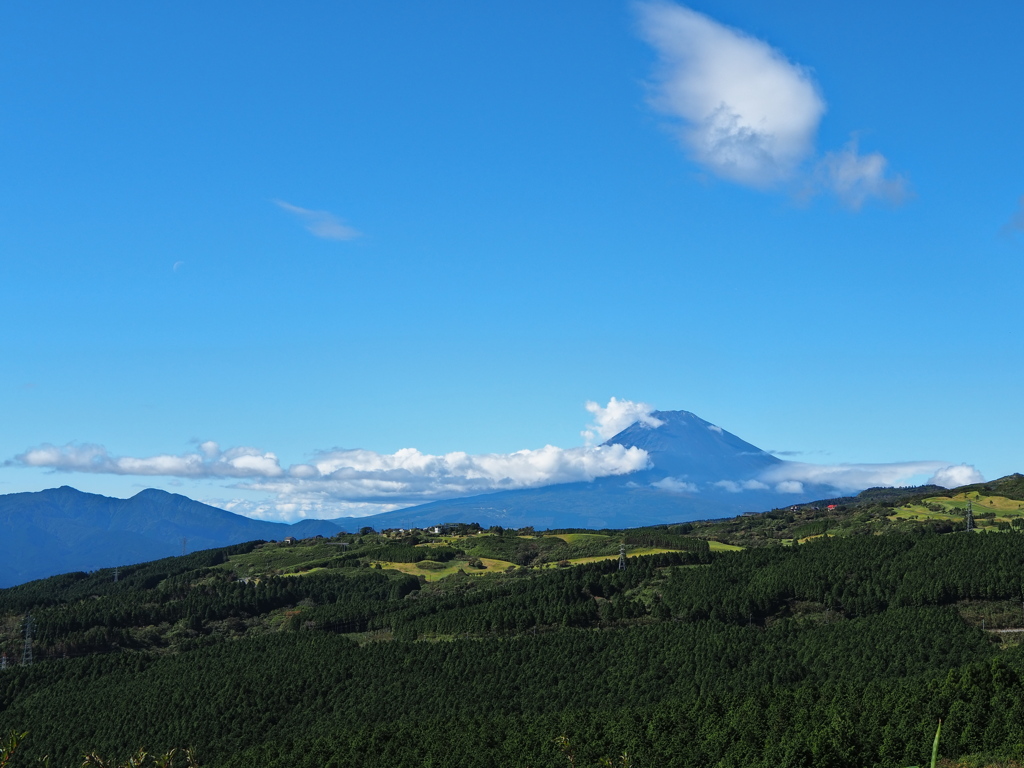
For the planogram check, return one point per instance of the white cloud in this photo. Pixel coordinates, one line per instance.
(733, 486)
(675, 485)
(616, 416)
(747, 113)
(210, 462)
(321, 223)
(360, 482)
(354, 474)
(854, 177)
(300, 507)
(335, 480)
(956, 475)
(790, 486)
(850, 478)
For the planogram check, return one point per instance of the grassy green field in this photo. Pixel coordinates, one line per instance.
(302, 559)
(574, 538)
(283, 558)
(434, 571)
(717, 546)
(635, 552)
(954, 507)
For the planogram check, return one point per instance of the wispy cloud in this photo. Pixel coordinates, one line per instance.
(611, 419)
(321, 223)
(208, 462)
(1016, 222)
(736, 487)
(797, 453)
(854, 178)
(304, 506)
(791, 476)
(675, 485)
(747, 113)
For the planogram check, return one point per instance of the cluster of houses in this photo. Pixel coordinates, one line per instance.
(437, 530)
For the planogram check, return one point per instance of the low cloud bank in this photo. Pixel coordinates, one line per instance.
(791, 476)
(208, 462)
(358, 475)
(358, 482)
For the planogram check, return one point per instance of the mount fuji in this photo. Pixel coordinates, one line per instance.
(696, 471)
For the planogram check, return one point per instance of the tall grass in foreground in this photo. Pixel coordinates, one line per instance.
(566, 748)
(935, 747)
(141, 759)
(624, 760)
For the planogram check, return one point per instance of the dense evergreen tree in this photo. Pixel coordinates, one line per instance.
(840, 652)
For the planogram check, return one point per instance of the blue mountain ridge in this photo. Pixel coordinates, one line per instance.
(62, 529)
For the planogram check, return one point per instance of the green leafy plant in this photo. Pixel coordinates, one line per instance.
(935, 747)
(566, 748)
(9, 746)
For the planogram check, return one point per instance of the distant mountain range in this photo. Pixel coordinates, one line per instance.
(63, 529)
(696, 469)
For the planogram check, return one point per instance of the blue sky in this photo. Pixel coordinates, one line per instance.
(293, 229)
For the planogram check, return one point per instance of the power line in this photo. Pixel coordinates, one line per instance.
(26, 654)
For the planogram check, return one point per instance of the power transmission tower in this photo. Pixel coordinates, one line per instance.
(115, 574)
(184, 545)
(969, 519)
(3, 662)
(26, 654)
(622, 557)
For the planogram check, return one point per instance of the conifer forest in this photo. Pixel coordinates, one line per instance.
(496, 648)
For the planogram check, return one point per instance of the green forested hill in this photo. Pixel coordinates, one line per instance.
(842, 651)
(998, 504)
